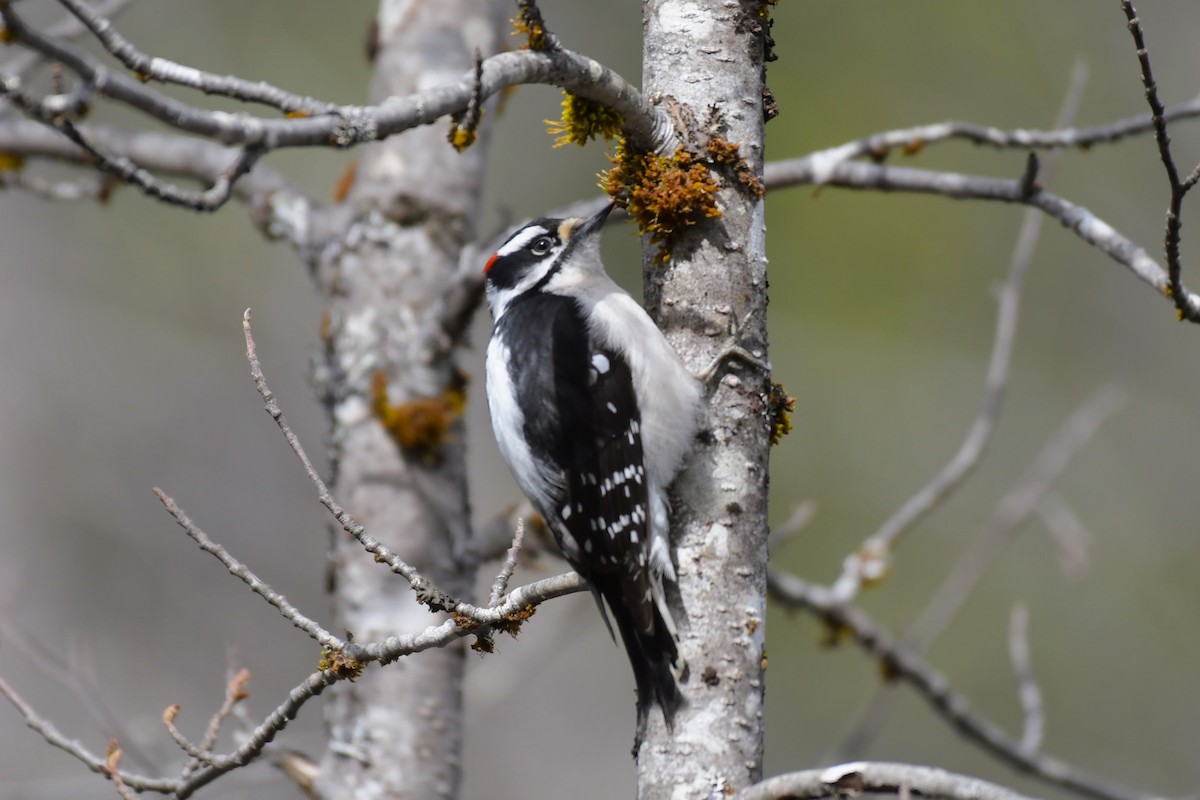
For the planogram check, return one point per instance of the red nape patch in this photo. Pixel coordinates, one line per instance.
(489, 263)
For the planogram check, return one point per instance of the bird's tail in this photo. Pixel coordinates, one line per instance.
(654, 655)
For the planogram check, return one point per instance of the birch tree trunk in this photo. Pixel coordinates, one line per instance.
(397, 732)
(699, 55)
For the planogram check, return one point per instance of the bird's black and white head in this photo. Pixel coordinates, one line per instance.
(540, 252)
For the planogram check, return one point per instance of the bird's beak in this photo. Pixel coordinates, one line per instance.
(593, 224)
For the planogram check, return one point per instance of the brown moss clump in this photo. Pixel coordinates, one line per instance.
(665, 195)
(727, 156)
(511, 624)
(340, 664)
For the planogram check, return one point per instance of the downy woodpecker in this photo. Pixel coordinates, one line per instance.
(594, 413)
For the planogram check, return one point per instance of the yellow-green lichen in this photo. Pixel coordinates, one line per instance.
(781, 405)
(461, 138)
(420, 427)
(583, 120)
(528, 23)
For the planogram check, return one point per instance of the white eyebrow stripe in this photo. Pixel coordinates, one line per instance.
(522, 239)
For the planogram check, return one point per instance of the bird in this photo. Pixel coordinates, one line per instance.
(594, 413)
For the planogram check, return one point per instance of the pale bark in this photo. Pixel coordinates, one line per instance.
(398, 731)
(700, 54)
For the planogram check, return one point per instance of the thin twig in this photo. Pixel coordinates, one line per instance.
(1070, 536)
(1078, 219)
(879, 146)
(112, 771)
(796, 522)
(128, 172)
(50, 734)
(1028, 691)
(871, 560)
(160, 69)
(199, 755)
(258, 739)
(242, 572)
(1185, 305)
(500, 585)
(67, 28)
(900, 662)
(492, 539)
(419, 583)
(235, 692)
(1013, 510)
(79, 680)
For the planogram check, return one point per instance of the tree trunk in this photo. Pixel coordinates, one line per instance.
(701, 55)
(397, 731)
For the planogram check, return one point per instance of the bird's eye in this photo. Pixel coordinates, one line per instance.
(541, 245)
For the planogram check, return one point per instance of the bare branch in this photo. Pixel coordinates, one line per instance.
(901, 663)
(871, 561)
(198, 754)
(241, 571)
(1013, 510)
(518, 600)
(165, 153)
(469, 618)
(126, 171)
(426, 591)
(500, 585)
(160, 69)
(912, 140)
(235, 692)
(492, 539)
(1028, 691)
(1185, 305)
(47, 731)
(59, 191)
(74, 674)
(1078, 219)
(343, 126)
(258, 739)
(67, 28)
(851, 780)
(112, 771)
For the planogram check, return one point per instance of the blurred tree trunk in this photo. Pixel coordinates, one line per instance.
(397, 732)
(703, 63)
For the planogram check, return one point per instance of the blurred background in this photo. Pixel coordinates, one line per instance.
(122, 368)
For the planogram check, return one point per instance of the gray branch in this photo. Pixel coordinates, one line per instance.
(851, 780)
(1076, 218)
(871, 560)
(900, 662)
(343, 125)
